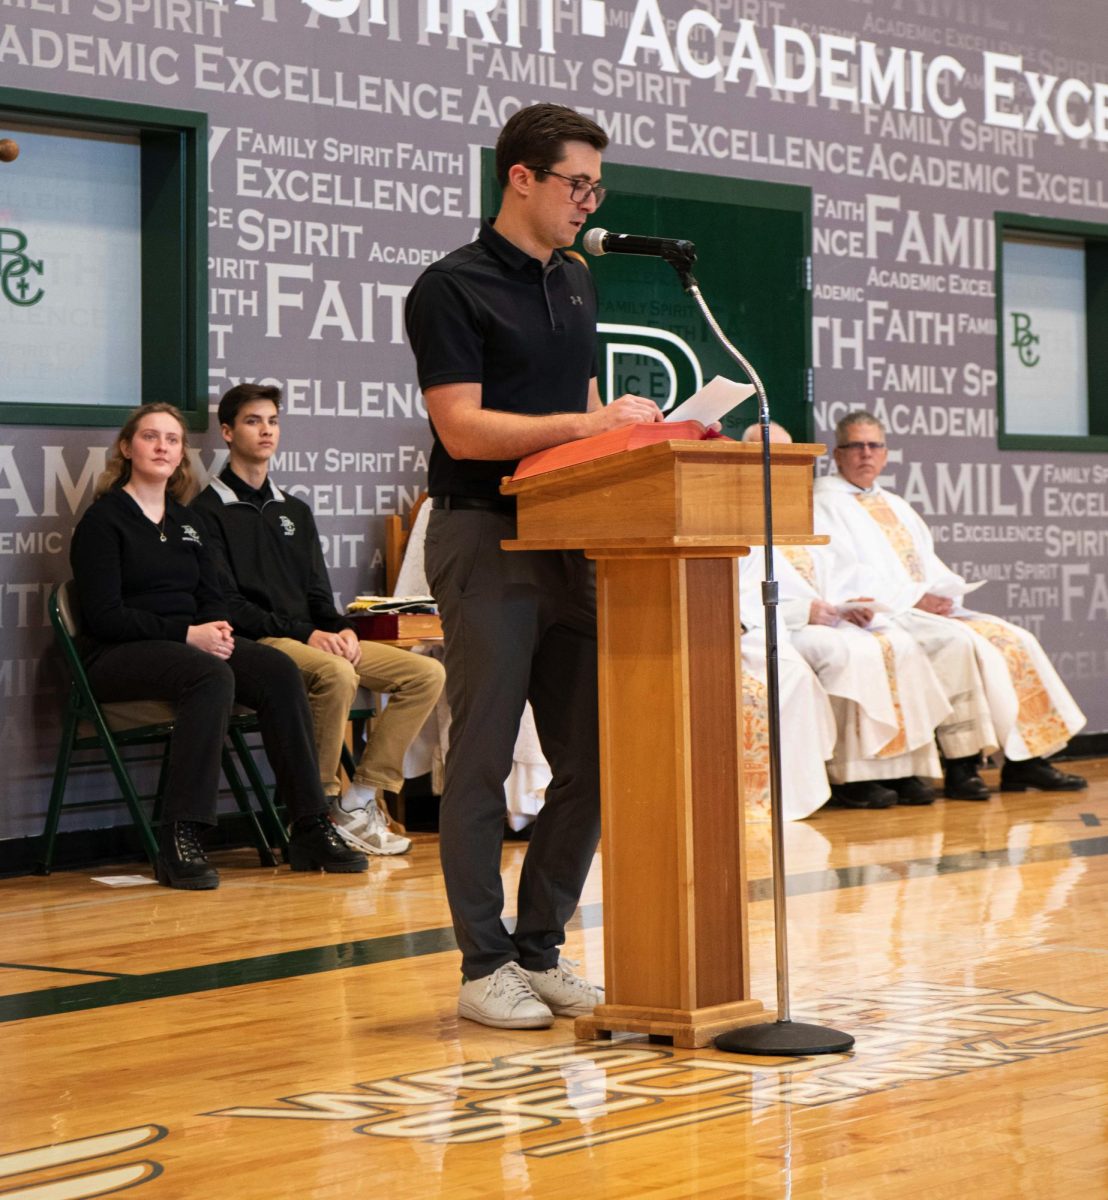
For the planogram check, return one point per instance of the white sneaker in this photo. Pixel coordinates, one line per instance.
(367, 830)
(566, 994)
(504, 1000)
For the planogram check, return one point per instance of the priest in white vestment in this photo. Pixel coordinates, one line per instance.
(885, 696)
(1003, 691)
(804, 786)
(807, 732)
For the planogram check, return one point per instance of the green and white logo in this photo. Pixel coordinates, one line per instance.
(1023, 339)
(15, 267)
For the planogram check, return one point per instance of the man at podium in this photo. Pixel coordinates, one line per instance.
(504, 334)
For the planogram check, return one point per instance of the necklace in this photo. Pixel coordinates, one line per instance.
(158, 525)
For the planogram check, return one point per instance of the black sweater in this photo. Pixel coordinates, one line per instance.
(134, 587)
(271, 561)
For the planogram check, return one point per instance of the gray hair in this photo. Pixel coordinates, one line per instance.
(858, 417)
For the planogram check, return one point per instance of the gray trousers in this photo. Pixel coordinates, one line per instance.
(517, 626)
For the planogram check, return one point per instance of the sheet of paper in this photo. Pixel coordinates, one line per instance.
(122, 880)
(951, 591)
(713, 402)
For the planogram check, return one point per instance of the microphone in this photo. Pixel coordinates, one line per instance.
(600, 241)
(9, 150)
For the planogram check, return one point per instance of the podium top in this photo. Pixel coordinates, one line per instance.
(721, 452)
(674, 497)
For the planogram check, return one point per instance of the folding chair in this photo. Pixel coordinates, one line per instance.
(143, 726)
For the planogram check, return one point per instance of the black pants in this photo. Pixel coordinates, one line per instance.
(517, 627)
(203, 688)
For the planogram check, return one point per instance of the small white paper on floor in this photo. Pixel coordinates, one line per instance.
(122, 880)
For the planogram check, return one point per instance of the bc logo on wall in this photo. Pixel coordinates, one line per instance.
(1024, 340)
(15, 267)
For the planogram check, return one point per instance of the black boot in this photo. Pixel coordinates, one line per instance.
(863, 793)
(962, 781)
(315, 844)
(181, 860)
(1037, 773)
(911, 790)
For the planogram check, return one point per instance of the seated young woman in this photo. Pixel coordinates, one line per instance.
(154, 627)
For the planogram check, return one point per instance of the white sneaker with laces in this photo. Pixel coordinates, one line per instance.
(566, 994)
(504, 1000)
(367, 830)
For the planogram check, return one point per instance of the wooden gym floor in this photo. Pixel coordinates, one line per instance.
(295, 1036)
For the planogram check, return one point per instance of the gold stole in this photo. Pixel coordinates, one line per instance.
(898, 537)
(755, 748)
(800, 557)
(1039, 723)
(898, 743)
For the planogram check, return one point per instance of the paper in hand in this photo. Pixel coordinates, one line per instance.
(952, 591)
(712, 402)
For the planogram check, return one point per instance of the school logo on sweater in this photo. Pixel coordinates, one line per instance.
(288, 526)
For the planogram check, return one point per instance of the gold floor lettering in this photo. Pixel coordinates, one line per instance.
(599, 1093)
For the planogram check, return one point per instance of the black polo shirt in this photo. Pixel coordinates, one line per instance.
(491, 314)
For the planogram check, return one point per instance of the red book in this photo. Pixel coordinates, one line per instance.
(615, 441)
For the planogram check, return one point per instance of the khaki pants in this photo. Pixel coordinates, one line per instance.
(412, 683)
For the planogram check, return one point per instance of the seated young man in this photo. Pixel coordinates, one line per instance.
(279, 594)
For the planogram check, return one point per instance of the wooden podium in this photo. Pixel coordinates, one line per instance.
(666, 524)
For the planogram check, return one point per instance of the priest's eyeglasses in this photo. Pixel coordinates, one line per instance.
(858, 447)
(580, 189)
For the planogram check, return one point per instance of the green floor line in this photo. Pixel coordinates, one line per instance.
(63, 970)
(160, 985)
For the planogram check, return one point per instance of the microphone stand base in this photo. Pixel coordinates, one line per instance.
(785, 1039)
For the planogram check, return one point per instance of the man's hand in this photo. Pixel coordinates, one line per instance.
(213, 637)
(939, 605)
(859, 616)
(627, 410)
(335, 643)
(353, 648)
(822, 613)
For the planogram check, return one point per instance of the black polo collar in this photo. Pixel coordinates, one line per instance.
(510, 254)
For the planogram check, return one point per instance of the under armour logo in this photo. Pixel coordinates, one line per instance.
(576, 300)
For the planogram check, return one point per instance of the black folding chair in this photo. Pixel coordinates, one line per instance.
(142, 728)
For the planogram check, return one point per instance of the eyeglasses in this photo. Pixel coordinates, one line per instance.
(858, 447)
(580, 189)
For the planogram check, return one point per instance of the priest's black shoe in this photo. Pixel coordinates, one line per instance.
(962, 781)
(1036, 773)
(911, 790)
(315, 845)
(864, 793)
(181, 860)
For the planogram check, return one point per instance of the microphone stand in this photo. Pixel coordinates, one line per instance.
(783, 1037)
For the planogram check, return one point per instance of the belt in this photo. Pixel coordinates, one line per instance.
(500, 504)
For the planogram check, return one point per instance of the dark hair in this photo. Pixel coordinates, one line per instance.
(243, 393)
(536, 137)
(180, 484)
